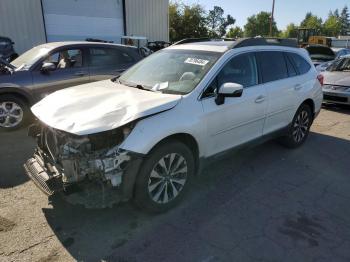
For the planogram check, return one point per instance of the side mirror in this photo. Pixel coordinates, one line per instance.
(47, 67)
(228, 90)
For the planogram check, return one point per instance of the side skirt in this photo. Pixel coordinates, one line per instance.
(206, 161)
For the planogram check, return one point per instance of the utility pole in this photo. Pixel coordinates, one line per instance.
(272, 13)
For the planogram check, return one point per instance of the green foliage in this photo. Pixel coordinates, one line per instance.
(312, 21)
(259, 25)
(186, 21)
(332, 26)
(217, 23)
(345, 21)
(291, 31)
(235, 32)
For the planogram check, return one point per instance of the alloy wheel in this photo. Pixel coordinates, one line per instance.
(11, 114)
(167, 178)
(301, 126)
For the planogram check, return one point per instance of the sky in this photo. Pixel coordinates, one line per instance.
(286, 11)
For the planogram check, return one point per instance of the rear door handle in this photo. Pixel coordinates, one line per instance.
(82, 73)
(297, 87)
(260, 99)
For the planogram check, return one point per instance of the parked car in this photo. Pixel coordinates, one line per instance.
(336, 87)
(320, 54)
(49, 67)
(7, 51)
(146, 134)
(339, 52)
(157, 45)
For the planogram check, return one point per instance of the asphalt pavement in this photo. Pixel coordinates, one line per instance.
(268, 203)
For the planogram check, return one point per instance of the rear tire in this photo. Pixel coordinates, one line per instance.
(164, 177)
(14, 113)
(299, 129)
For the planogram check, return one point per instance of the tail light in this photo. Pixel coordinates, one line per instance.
(320, 79)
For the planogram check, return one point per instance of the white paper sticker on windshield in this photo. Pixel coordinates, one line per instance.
(160, 86)
(196, 61)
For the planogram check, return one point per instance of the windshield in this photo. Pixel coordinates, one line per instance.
(27, 59)
(340, 65)
(170, 71)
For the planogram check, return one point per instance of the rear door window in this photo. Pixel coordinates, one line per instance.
(102, 57)
(272, 66)
(300, 63)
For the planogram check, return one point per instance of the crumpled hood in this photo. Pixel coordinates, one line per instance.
(336, 78)
(99, 106)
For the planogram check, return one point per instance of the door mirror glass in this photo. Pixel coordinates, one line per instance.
(47, 67)
(228, 90)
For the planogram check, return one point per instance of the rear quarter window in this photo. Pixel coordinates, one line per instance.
(300, 63)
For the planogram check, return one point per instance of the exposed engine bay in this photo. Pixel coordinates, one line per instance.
(94, 162)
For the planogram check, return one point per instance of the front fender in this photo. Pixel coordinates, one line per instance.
(150, 131)
(17, 91)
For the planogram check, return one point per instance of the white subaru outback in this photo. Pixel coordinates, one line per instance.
(146, 134)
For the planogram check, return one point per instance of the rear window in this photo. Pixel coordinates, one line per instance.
(300, 63)
(342, 64)
(272, 66)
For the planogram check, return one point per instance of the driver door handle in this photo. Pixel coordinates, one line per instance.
(260, 99)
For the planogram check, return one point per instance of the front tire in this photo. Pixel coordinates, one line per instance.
(14, 113)
(300, 127)
(164, 177)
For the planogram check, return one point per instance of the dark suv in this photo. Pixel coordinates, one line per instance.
(49, 67)
(7, 51)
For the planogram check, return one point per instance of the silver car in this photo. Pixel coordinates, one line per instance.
(336, 88)
(49, 67)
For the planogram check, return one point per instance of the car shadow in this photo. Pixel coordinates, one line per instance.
(15, 148)
(345, 109)
(123, 233)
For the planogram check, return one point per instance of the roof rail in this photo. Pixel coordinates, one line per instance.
(202, 39)
(259, 41)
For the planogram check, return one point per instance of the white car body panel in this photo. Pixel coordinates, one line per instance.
(106, 105)
(99, 106)
(226, 129)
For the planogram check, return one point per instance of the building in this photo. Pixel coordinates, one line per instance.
(32, 22)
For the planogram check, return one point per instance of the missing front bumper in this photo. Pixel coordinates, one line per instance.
(46, 181)
(91, 194)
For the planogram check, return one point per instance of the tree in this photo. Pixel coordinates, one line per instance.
(344, 21)
(291, 31)
(235, 32)
(259, 25)
(217, 23)
(312, 21)
(186, 21)
(332, 26)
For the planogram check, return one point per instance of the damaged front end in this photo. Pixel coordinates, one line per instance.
(91, 170)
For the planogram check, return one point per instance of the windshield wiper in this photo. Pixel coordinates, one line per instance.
(143, 87)
(138, 86)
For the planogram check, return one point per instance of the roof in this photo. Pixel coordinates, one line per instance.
(212, 46)
(223, 46)
(53, 45)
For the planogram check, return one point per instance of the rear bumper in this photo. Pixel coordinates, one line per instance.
(336, 97)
